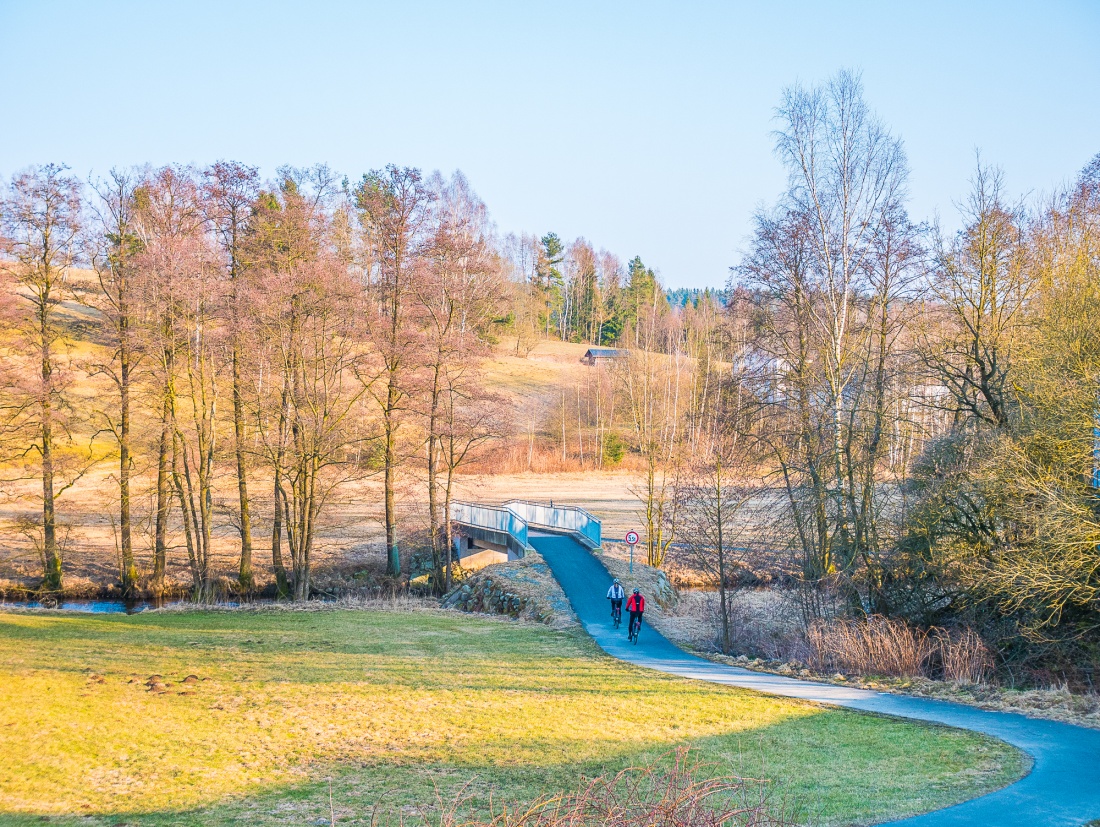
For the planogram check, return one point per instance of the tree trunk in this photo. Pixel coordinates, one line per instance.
(433, 478)
(186, 513)
(393, 557)
(129, 570)
(299, 547)
(282, 585)
(306, 495)
(244, 577)
(448, 532)
(52, 578)
(564, 414)
(206, 511)
(51, 551)
(160, 542)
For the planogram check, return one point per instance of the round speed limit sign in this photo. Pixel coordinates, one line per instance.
(632, 537)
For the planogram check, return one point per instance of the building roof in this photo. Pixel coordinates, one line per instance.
(604, 353)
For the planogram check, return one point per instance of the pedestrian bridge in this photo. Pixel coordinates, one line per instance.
(493, 533)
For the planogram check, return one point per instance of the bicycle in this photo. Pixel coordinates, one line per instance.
(617, 615)
(635, 627)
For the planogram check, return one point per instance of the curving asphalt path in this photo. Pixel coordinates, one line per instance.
(1063, 787)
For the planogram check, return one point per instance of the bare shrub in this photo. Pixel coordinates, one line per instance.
(766, 624)
(885, 646)
(651, 796)
(963, 655)
(877, 645)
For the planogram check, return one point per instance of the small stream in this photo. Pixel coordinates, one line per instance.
(129, 607)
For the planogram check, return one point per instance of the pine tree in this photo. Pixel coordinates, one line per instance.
(550, 278)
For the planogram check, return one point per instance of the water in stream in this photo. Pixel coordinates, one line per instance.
(109, 606)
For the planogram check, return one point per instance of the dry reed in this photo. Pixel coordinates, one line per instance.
(963, 655)
(889, 647)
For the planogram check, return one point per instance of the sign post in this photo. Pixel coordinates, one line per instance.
(632, 540)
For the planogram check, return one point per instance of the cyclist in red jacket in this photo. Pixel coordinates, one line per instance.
(635, 604)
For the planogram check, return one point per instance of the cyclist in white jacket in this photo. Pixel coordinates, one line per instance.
(616, 594)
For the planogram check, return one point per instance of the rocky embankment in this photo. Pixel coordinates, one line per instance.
(482, 594)
(520, 589)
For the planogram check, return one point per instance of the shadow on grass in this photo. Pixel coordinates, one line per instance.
(850, 768)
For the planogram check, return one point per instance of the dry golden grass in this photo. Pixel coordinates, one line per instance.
(537, 377)
(351, 536)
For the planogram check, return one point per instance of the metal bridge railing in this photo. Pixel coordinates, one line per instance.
(492, 517)
(565, 518)
(515, 516)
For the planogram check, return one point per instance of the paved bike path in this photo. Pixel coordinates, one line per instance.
(1063, 787)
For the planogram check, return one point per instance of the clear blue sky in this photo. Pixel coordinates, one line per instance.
(642, 126)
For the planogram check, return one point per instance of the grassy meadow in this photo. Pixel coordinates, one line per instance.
(235, 717)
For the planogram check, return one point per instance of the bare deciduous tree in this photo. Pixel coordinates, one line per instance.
(651, 380)
(41, 225)
(230, 191)
(719, 485)
(981, 285)
(457, 294)
(183, 293)
(394, 206)
(832, 265)
(471, 417)
(521, 258)
(307, 349)
(308, 335)
(115, 251)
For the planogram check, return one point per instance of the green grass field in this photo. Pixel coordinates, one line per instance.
(397, 706)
